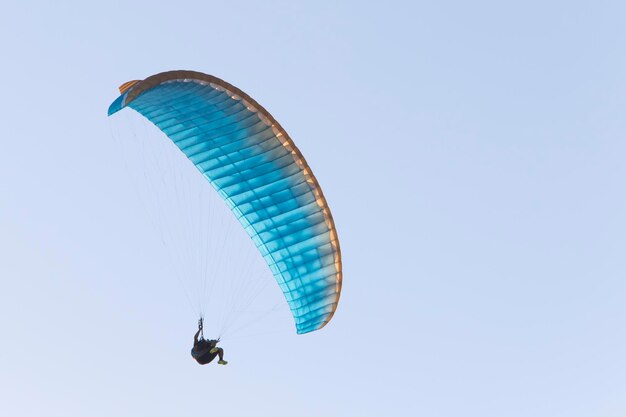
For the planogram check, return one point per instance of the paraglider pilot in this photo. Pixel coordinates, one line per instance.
(204, 351)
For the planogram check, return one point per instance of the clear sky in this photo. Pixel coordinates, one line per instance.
(473, 157)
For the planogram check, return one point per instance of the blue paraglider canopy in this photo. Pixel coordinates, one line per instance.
(253, 164)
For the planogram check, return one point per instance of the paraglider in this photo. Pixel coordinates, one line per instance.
(204, 351)
(256, 168)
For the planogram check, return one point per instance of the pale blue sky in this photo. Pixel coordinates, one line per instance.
(472, 154)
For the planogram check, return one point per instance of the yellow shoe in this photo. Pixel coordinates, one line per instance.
(222, 362)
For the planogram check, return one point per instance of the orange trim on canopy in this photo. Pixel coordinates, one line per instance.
(127, 85)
